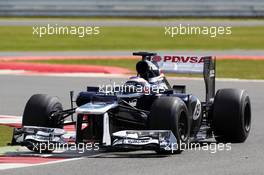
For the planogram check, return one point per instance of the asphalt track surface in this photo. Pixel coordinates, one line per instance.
(246, 158)
(129, 22)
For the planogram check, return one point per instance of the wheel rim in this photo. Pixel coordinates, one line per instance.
(183, 127)
(56, 121)
(247, 117)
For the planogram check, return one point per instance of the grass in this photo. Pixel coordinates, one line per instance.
(243, 69)
(5, 135)
(246, 69)
(14, 38)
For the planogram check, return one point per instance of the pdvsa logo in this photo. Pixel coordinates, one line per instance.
(156, 58)
(178, 59)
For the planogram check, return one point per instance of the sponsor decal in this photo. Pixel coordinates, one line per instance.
(134, 141)
(197, 111)
(156, 58)
(179, 63)
(178, 59)
(212, 73)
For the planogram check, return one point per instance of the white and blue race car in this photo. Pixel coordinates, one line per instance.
(145, 113)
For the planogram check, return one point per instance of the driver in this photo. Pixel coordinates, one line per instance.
(149, 79)
(151, 73)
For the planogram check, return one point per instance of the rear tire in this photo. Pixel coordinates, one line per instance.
(38, 111)
(231, 116)
(170, 113)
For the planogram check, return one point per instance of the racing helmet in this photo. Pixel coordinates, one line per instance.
(147, 70)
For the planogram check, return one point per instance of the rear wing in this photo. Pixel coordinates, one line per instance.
(204, 65)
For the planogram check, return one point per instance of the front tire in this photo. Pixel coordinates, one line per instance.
(231, 115)
(38, 111)
(170, 113)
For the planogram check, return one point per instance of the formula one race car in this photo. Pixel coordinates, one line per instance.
(145, 113)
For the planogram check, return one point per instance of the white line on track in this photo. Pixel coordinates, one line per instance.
(4, 166)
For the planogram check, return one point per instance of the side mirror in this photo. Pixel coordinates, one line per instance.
(179, 88)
